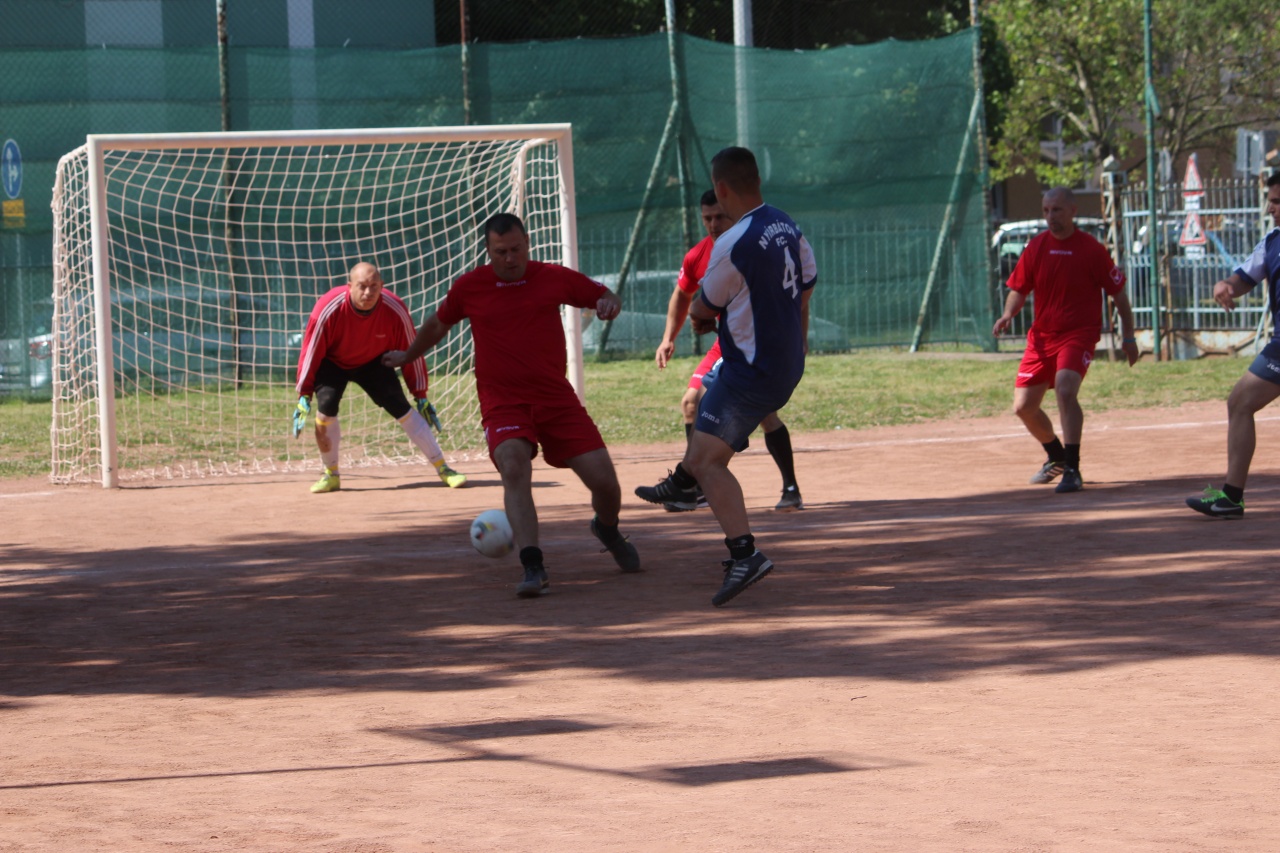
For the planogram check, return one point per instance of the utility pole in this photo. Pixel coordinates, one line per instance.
(743, 37)
(1153, 236)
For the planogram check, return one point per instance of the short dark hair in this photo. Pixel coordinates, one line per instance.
(736, 166)
(1274, 179)
(502, 223)
(709, 199)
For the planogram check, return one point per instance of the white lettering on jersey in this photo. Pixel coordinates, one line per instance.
(789, 273)
(773, 230)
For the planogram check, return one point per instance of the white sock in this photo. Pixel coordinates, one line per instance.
(419, 432)
(328, 436)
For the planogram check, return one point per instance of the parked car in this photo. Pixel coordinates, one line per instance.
(640, 332)
(1230, 239)
(25, 362)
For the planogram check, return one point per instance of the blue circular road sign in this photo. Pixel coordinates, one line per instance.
(11, 169)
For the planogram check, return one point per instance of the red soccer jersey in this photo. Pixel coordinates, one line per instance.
(695, 265)
(517, 332)
(1065, 276)
(691, 273)
(349, 339)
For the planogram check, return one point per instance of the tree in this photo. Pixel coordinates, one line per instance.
(1210, 88)
(1079, 73)
(782, 24)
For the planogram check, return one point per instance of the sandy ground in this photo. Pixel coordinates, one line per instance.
(946, 659)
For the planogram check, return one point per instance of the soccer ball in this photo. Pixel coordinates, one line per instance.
(491, 533)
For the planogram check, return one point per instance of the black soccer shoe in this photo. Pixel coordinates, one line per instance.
(667, 492)
(624, 553)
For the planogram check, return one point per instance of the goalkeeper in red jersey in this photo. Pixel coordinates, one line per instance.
(350, 328)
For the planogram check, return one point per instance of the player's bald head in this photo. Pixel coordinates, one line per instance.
(1061, 195)
(362, 272)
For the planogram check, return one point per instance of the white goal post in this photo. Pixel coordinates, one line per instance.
(185, 266)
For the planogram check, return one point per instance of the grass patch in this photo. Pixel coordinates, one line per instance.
(24, 438)
(635, 403)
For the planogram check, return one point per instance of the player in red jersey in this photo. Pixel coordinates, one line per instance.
(350, 328)
(513, 304)
(776, 437)
(1065, 268)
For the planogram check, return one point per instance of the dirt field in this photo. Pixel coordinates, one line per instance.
(946, 659)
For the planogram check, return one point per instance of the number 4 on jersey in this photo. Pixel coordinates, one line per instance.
(789, 273)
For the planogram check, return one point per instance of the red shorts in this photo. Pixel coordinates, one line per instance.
(708, 361)
(563, 431)
(1047, 354)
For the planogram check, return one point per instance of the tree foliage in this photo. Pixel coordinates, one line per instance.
(1080, 64)
(782, 24)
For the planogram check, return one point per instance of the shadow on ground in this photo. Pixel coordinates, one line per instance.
(902, 589)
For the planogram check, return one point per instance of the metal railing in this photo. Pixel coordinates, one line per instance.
(1198, 246)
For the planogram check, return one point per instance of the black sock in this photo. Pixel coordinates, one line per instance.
(683, 479)
(1235, 494)
(742, 547)
(608, 532)
(1072, 457)
(531, 557)
(1055, 451)
(688, 433)
(778, 444)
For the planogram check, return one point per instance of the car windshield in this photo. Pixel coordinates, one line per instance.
(40, 322)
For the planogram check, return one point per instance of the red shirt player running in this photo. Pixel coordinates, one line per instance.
(513, 304)
(1065, 268)
(776, 437)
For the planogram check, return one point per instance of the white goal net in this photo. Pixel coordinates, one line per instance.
(185, 267)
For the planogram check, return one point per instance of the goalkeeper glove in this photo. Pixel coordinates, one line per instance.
(300, 413)
(428, 411)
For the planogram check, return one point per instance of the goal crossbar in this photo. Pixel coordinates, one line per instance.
(355, 136)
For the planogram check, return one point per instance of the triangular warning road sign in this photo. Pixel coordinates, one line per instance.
(1191, 185)
(1192, 230)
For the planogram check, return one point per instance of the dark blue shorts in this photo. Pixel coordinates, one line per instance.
(1267, 364)
(732, 415)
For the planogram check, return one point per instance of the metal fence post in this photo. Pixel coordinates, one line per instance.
(1151, 111)
(1113, 179)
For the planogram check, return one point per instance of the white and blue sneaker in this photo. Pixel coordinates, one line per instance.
(740, 574)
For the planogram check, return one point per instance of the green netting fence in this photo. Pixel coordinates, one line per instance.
(871, 149)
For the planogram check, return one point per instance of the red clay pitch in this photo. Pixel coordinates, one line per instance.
(945, 659)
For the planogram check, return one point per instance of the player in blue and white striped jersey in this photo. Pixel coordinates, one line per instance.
(758, 283)
(1261, 383)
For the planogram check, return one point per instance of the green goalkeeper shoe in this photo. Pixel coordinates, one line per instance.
(450, 477)
(329, 482)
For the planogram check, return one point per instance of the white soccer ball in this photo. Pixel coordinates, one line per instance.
(491, 533)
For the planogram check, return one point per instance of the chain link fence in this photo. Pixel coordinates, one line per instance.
(870, 148)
